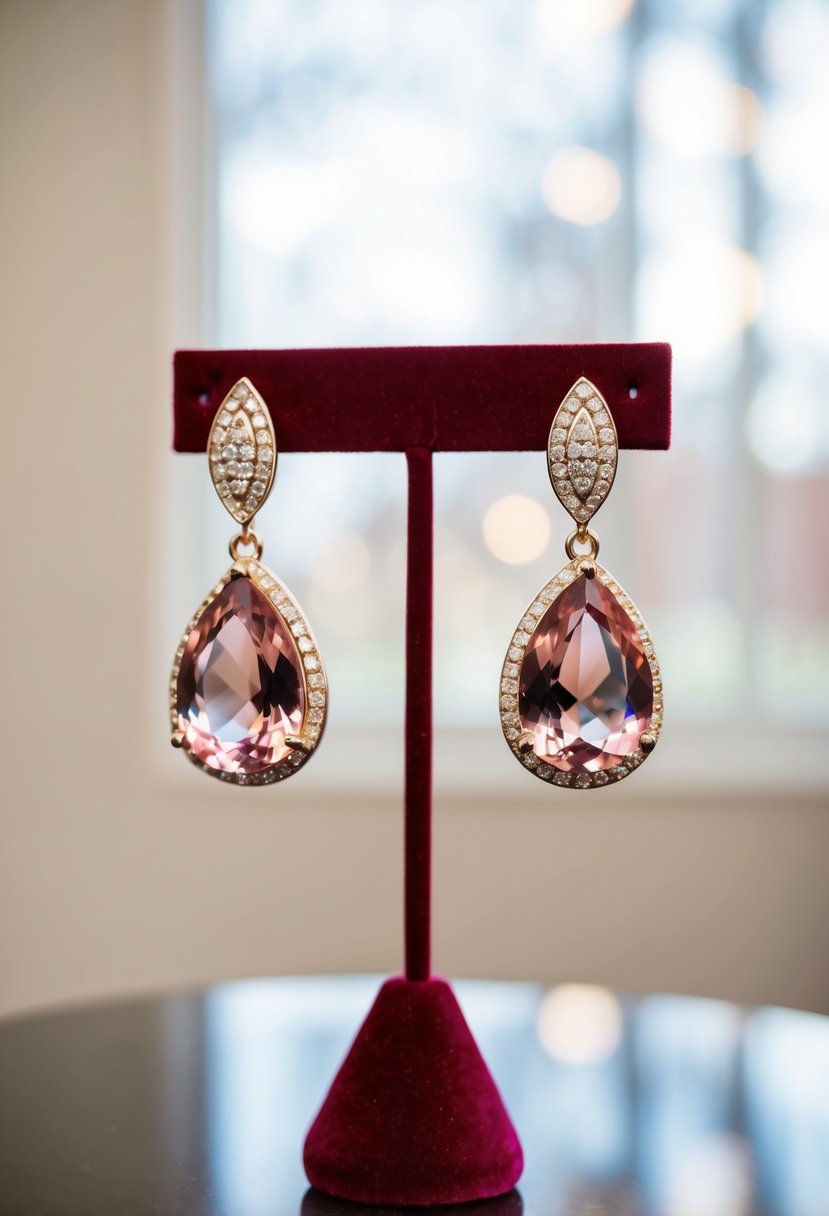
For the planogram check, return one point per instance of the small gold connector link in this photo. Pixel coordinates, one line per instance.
(582, 536)
(247, 539)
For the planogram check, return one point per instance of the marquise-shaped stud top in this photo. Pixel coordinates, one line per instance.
(242, 448)
(582, 451)
(248, 694)
(581, 691)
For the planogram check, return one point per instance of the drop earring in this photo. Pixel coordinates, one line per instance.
(248, 693)
(581, 690)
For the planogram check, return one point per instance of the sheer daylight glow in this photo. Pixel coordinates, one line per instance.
(343, 564)
(704, 292)
(787, 450)
(561, 171)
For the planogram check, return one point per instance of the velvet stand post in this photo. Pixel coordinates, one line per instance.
(413, 1117)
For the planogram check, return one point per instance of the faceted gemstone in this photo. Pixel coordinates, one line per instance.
(240, 687)
(585, 691)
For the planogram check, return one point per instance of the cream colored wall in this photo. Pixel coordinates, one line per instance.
(122, 869)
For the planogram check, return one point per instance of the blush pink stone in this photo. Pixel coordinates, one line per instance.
(585, 689)
(240, 686)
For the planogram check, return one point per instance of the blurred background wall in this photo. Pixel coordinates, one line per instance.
(311, 174)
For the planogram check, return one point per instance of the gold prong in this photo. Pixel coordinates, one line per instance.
(297, 745)
(647, 743)
(588, 569)
(525, 742)
(177, 738)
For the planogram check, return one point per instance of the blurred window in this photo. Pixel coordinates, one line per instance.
(469, 171)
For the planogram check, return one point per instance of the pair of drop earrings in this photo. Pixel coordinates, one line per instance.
(580, 693)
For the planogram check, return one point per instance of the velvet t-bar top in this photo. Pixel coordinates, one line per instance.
(442, 398)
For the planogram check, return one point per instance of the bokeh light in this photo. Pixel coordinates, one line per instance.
(579, 1023)
(562, 24)
(581, 186)
(704, 292)
(685, 99)
(516, 529)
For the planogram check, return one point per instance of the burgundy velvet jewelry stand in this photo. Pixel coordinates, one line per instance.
(413, 1116)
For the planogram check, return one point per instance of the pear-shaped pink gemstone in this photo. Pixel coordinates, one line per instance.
(585, 690)
(240, 685)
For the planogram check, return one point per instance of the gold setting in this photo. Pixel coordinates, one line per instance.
(314, 679)
(242, 458)
(582, 456)
(520, 742)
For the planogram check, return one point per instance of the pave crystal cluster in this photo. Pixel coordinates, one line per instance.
(242, 449)
(582, 452)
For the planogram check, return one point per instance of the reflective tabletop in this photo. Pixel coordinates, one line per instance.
(198, 1104)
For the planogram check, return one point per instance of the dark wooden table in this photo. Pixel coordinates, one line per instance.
(198, 1104)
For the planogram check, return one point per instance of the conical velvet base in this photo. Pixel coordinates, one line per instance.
(413, 1116)
(315, 1203)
